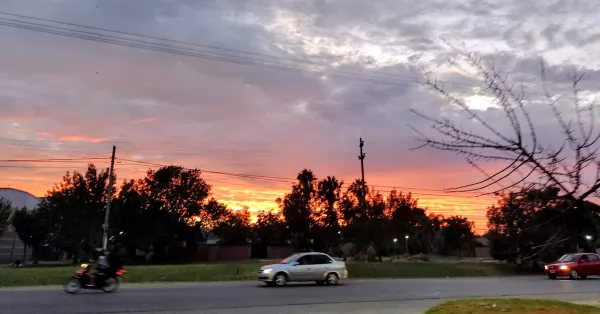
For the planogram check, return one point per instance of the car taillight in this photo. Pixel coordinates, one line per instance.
(79, 272)
(120, 272)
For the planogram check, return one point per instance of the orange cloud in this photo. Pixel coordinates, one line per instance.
(83, 139)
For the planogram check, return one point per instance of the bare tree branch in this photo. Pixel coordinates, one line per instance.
(565, 167)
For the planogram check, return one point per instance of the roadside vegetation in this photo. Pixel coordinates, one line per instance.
(240, 271)
(521, 306)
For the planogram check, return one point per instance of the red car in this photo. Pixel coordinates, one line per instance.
(575, 266)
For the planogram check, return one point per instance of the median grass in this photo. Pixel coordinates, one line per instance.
(38, 276)
(521, 306)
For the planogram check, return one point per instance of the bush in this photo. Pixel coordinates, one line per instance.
(418, 257)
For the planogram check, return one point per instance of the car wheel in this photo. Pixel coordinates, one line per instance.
(281, 280)
(332, 279)
(573, 274)
(552, 276)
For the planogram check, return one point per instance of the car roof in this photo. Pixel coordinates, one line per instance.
(311, 253)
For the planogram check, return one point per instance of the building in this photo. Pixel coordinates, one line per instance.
(11, 248)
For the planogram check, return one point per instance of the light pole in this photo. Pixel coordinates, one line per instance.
(406, 244)
(396, 246)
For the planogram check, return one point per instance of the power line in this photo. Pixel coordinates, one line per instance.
(190, 52)
(291, 180)
(29, 167)
(218, 172)
(182, 152)
(55, 159)
(61, 141)
(210, 180)
(232, 174)
(157, 47)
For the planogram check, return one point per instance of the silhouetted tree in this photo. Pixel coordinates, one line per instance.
(6, 211)
(298, 209)
(32, 227)
(458, 235)
(329, 193)
(75, 210)
(270, 228)
(537, 224)
(170, 206)
(235, 228)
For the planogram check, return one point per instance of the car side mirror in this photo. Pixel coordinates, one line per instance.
(295, 264)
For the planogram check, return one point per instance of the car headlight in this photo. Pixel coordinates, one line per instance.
(546, 267)
(563, 267)
(267, 271)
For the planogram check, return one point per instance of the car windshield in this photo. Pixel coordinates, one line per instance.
(567, 258)
(289, 259)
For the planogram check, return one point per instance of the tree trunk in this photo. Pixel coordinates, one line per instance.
(76, 256)
(35, 254)
(24, 253)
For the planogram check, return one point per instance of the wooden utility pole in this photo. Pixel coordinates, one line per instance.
(361, 157)
(109, 198)
(362, 170)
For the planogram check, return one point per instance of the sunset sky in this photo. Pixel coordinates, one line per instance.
(322, 74)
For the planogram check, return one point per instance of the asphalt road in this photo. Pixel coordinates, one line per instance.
(360, 296)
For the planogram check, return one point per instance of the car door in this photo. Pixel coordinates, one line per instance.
(320, 265)
(585, 267)
(594, 265)
(302, 270)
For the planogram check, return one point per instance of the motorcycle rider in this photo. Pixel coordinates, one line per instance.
(99, 265)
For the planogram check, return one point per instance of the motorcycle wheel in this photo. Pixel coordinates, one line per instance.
(111, 285)
(73, 286)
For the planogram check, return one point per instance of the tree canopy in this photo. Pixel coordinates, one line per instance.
(171, 209)
(6, 211)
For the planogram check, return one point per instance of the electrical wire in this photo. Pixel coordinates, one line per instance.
(268, 63)
(291, 180)
(55, 159)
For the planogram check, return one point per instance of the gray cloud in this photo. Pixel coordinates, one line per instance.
(261, 120)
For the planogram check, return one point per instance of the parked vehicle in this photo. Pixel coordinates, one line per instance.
(107, 282)
(575, 266)
(303, 267)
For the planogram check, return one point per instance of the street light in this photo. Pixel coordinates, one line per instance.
(589, 239)
(406, 244)
(395, 240)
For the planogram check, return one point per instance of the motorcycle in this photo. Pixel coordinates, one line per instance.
(107, 282)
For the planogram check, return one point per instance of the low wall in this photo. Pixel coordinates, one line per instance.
(233, 253)
(279, 252)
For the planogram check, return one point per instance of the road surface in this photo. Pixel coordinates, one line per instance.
(360, 296)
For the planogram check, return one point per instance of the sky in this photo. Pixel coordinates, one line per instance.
(272, 87)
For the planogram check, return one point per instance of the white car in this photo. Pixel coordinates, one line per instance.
(302, 267)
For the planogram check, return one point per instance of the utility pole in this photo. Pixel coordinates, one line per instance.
(361, 157)
(109, 198)
(362, 171)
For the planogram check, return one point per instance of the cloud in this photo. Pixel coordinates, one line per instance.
(325, 73)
